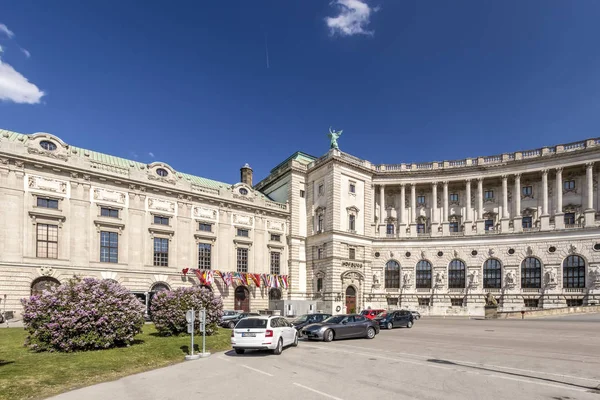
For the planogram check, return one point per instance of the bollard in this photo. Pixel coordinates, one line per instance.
(522, 314)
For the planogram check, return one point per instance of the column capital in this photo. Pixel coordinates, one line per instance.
(559, 170)
(518, 175)
(589, 164)
(505, 177)
(479, 179)
(402, 184)
(434, 183)
(468, 180)
(445, 183)
(545, 172)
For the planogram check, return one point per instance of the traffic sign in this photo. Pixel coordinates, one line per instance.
(189, 316)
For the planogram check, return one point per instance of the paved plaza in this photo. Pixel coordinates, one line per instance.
(554, 358)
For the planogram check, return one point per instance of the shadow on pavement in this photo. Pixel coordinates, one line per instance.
(251, 353)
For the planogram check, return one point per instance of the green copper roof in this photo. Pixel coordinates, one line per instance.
(298, 156)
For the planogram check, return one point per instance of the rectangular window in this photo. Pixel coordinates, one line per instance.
(47, 203)
(319, 253)
(352, 222)
(570, 219)
(574, 302)
(352, 253)
(275, 263)
(242, 259)
(424, 301)
(453, 226)
(158, 220)
(47, 241)
(527, 222)
(204, 253)
(243, 232)
(532, 303)
(389, 229)
(420, 199)
(527, 190)
(420, 228)
(109, 212)
(161, 252)
(569, 185)
(302, 193)
(454, 197)
(320, 223)
(456, 302)
(321, 190)
(489, 224)
(205, 227)
(275, 238)
(109, 247)
(489, 194)
(352, 187)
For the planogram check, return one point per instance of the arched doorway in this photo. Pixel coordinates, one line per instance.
(207, 287)
(160, 287)
(350, 300)
(43, 283)
(242, 299)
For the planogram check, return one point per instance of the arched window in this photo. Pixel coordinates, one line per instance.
(456, 274)
(423, 279)
(274, 294)
(574, 272)
(392, 275)
(492, 274)
(159, 287)
(531, 273)
(43, 283)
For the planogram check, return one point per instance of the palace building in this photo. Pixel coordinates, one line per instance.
(334, 233)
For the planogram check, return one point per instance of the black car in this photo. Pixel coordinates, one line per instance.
(306, 319)
(342, 326)
(392, 319)
(231, 322)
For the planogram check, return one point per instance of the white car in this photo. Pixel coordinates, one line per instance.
(263, 333)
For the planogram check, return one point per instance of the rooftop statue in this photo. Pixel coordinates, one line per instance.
(333, 137)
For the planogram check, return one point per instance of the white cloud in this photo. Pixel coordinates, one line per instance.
(15, 87)
(151, 154)
(27, 53)
(353, 18)
(1, 50)
(4, 29)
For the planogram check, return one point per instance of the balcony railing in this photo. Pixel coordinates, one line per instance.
(531, 229)
(573, 226)
(531, 290)
(574, 290)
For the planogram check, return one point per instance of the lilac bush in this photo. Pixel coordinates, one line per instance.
(83, 314)
(168, 309)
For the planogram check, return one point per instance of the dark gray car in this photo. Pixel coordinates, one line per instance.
(342, 326)
(306, 319)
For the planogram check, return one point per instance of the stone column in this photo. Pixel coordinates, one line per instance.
(382, 215)
(480, 220)
(434, 217)
(517, 218)
(590, 213)
(468, 210)
(402, 217)
(445, 224)
(413, 209)
(559, 216)
(504, 221)
(545, 217)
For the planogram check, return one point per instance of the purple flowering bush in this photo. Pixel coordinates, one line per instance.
(83, 314)
(168, 310)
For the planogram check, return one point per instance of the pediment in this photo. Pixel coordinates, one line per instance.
(48, 145)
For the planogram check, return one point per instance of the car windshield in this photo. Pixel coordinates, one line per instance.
(335, 320)
(252, 323)
(228, 313)
(300, 319)
(365, 312)
(382, 315)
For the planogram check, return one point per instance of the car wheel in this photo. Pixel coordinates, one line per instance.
(239, 351)
(390, 325)
(295, 340)
(231, 325)
(370, 333)
(328, 335)
(410, 324)
(279, 347)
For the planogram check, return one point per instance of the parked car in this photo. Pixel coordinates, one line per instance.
(416, 315)
(371, 314)
(263, 333)
(392, 319)
(306, 319)
(342, 326)
(230, 322)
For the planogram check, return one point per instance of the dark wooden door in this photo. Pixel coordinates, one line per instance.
(242, 299)
(350, 300)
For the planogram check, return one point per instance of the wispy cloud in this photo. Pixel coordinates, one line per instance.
(4, 29)
(16, 88)
(151, 154)
(134, 154)
(353, 18)
(27, 53)
(1, 50)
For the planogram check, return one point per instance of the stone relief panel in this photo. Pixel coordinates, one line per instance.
(204, 213)
(161, 205)
(241, 219)
(109, 196)
(55, 187)
(276, 225)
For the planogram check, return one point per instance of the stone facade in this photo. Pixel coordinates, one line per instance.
(437, 237)
(68, 211)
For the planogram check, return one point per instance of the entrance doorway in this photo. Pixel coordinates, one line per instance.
(350, 300)
(242, 299)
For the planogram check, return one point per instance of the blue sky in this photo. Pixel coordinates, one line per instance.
(188, 83)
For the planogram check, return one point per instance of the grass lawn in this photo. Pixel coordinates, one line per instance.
(28, 375)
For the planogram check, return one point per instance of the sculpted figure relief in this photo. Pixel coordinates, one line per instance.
(406, 279)
(551, 277)
(490, 300)
(439, 278)
(511, 279)
(333, 137)
(474, 278)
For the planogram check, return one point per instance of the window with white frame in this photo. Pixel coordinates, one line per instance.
(275, 263)
(352, 187)
(204, 255)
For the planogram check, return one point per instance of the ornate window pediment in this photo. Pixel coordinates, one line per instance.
(572, 208)
(454, 218)
(242, 191)
(320, 210)
(162, 172)
(352, 209)
(48, 145)
(490, 215)
(529, 212)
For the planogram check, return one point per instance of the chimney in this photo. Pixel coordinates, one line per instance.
(246, 173)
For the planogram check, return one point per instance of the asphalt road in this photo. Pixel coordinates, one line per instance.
(437, 359)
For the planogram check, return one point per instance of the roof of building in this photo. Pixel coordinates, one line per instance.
(115, 161)
(298, 156)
